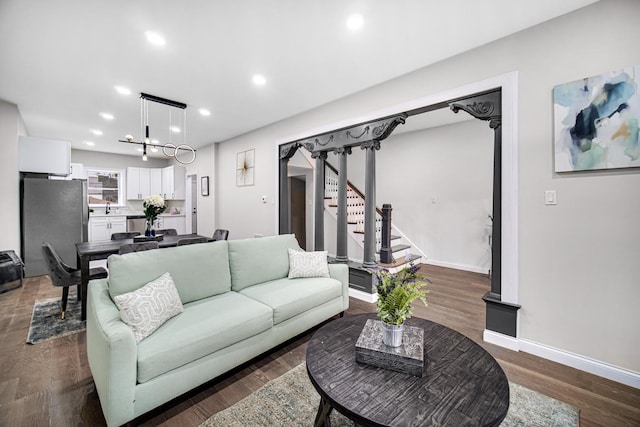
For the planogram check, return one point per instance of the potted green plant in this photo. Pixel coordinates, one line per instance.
(153, 206)
(396, 294)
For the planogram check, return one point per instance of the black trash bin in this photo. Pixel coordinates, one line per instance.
(11, 271)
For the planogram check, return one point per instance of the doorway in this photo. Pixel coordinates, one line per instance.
(506, 139)
(191, 204)
(298, 209)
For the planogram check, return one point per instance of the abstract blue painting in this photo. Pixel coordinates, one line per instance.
(596, 122)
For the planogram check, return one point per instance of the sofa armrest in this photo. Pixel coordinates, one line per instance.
(112, 354)
(341, 273)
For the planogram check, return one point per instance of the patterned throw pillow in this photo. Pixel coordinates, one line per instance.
(308, 264)
(147, 308)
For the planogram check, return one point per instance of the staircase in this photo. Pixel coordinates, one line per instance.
(401, 247)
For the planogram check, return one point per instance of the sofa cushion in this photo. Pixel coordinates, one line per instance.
(198, 271)
(288, 298)
(147, 308)
(197, 332)
(308, 264)
(253, 261)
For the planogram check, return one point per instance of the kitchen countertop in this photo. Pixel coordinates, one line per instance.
(100, 213)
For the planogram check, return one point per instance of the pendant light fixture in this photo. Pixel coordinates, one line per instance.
(182, 152)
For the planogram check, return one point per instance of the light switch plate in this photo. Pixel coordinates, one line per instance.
(550, 197)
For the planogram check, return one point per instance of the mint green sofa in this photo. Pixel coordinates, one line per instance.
(238, 304)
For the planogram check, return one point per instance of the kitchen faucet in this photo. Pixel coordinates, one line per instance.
(107, 209)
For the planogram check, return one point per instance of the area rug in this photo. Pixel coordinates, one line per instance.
(291, 400)
(46, 323)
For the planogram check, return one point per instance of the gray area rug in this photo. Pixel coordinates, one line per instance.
(46, 323)
(291, 400)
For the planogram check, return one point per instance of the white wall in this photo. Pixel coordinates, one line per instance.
(241, 210)
(11, 126)
(579, 269)
(204, 165)
(116, 161)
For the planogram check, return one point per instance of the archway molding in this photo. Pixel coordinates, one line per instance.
(508, 85)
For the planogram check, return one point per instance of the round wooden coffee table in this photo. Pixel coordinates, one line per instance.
(462, 383)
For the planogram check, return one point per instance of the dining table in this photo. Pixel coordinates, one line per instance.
(101, 249)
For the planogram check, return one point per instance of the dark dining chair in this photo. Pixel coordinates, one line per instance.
(192, 240)
(63, 275)
(220, 234)
(124, 236)
(127, 248)
(167, 232)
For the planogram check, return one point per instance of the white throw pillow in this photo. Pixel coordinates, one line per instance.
(147, 308)
(308, 264)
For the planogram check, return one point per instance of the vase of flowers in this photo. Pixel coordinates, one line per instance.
(396, 294)
(153, 206)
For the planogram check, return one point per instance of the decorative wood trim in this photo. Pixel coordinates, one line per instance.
(287, 151)
(508, 82)
(501, 317)
(376, 130)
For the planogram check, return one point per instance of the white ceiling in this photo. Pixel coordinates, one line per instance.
(60, 60)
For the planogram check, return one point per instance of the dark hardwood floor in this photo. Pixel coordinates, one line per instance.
(50, 383)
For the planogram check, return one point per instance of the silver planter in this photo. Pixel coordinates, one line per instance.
(392, 334)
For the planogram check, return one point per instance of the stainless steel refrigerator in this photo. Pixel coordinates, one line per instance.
(54, 211)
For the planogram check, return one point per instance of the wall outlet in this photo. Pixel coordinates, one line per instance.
(264, 199)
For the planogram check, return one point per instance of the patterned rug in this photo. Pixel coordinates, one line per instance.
(291, 400)
(46, 323)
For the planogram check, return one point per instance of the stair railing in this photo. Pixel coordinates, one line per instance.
(386, 254)
(355, 203)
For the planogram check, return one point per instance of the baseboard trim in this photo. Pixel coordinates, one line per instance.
(583, 363)
(592, 366)
(501, 340)
(363, 296)
(455, 266)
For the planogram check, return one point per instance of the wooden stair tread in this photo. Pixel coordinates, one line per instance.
(399, 261)
(398, 248)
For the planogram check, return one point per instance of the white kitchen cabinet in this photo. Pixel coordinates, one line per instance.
(172, 221)
(76, 172)
(40, 155)
(133, 184)
(173, 182)
(155, 181)
(142, 182)
(102, 227)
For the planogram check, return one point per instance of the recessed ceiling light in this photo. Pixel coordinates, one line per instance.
(106, 116)
(96, 132)
(259, 80)
(355, 21)
(155, 38)
(90, 143)
(204, 112)
(122, 90)
(175, 129)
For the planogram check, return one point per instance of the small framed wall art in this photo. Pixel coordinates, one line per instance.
(204, 185)
(245, 165)
(596, 122)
